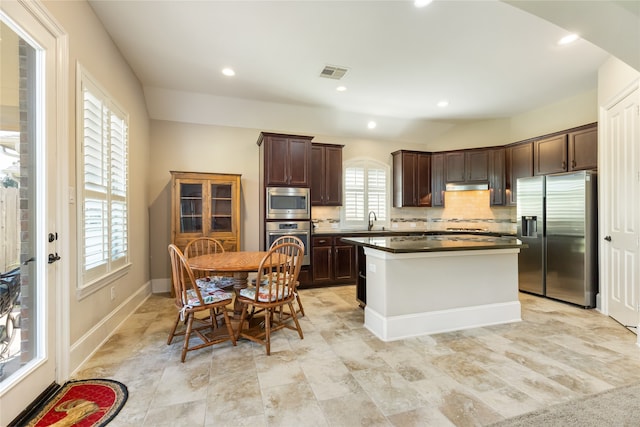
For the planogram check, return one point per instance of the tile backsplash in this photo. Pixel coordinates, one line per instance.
(463, 209)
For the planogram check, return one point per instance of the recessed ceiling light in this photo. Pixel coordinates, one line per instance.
(421, 3)
(372, 124)
(341, 88)
(568, 39)
(443, 103)
(228, 72)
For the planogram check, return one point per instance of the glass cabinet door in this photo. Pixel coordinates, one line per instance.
(191, 199)
(221, 207)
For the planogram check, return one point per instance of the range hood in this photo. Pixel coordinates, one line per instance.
(461, 186)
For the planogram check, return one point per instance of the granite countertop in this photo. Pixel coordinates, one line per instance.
(436, 242)
(396, 232)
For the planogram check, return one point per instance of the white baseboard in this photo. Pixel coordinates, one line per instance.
(434, 322)
(81, 350)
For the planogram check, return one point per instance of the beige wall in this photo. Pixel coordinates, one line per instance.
(209, 148)
(613, 77)
(94, 317)
(564, 114)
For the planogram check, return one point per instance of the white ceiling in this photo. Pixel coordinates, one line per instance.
(487, 58)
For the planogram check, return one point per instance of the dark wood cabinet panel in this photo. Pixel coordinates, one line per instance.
(316, 187)
(437, 179)
(519, 162)
(454, 162)
(583, 149)
(276, 157)
(361, 279)
(332, 262)
(408, 170)
(411, 178)
(333, 176)
(344, 262)
(550, 155)
(321, 259)
(423, 180)
(497, 176)
(287, 160)
(466, 166)
(299, 162)
(304, 277)
(477, 166)
(326, 175)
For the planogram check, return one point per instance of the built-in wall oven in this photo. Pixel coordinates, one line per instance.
(287, 203)
(299, 229)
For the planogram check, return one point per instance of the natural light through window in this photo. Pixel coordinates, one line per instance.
(365, 189)
(103, 200)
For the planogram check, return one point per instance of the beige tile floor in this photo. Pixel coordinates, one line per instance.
(341, 375)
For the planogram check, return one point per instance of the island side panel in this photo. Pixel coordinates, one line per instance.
(410, 294)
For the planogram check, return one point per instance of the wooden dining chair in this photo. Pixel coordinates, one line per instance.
(191, 299)
(202, 246)
(275, 287)
(297, 240)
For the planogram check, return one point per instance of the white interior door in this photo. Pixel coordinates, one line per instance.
(620, 207)
(30, 111)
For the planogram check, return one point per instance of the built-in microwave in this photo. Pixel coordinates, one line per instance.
(288, 203)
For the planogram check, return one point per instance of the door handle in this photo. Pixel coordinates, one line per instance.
(607, 238)
(29, 260)
(53, 258)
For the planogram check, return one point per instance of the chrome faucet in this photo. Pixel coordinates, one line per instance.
(371, 221)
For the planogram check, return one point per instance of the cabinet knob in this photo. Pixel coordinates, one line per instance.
(564, 164)
(573, 163)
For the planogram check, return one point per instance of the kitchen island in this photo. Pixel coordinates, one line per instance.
(419, 285)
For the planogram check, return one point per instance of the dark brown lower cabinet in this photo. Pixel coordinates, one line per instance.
(332, 262)
(361, 283)
(305, 278)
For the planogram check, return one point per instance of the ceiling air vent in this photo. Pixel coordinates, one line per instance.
(332, 72)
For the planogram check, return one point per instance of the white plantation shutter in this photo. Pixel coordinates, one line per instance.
(377, 193)
(104, 208)
(365, 190)
(354, 193)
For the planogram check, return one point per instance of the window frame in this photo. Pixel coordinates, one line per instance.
(116, 192)
(383, 218)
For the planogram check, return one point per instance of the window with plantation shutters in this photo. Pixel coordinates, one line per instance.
(103, 198)
(365, 189)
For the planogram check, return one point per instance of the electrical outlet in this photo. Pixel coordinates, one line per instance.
(113, 293)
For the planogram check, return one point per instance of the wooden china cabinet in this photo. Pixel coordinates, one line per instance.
(205, 205)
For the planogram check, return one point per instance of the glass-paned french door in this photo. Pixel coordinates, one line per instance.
(28, 196)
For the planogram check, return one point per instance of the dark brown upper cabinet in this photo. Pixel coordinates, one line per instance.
(550, 155)
(437, 179)
(497, 176)
(286, 161)
(411, 178)
(519, 164)
(576, 149)
(466, 166)
(326, 175)
(583, 149)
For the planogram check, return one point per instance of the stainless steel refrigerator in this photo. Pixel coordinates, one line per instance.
(557, 218)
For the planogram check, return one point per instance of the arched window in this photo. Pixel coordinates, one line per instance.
(366, 189)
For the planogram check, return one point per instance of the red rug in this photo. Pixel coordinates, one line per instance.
(84, 403)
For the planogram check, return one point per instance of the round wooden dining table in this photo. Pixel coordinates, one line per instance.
(239, 263)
